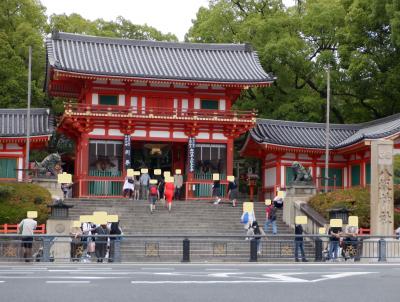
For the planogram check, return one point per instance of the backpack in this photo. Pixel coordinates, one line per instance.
(153, 190)
(245, 218)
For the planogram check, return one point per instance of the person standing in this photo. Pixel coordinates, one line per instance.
(153, 194)
(101, 242)
(216, 191)
(270, 218)
(114, 230)
(161, 188)
(256, 231)
(299, 243)
(334, 239)
(169, 192)
(233, 191)
(26, 228)
(144, 185)
(178, 183)
(128, 187)
(136, 188)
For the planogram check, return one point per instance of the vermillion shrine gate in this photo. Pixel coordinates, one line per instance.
(140, 103)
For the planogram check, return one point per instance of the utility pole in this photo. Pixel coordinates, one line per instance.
(328, 99)
(28, 113)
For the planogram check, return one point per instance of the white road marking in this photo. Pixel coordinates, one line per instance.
(221, 269)
(68, 282)
(341, 275)
(158, 268)
(2, 281)
(223, 275)
(286, 277)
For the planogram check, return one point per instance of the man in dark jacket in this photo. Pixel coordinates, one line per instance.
(298, 243)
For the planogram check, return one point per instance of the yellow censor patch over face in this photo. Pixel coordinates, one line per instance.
(157, 171)
(178, 171)
(301, 220)
(31, 214)
(321, 231)
(281, 194)
(336, 223)
(112, 218)
(64, 178)
(231, 178)
(130, 172)
(268, 202)
(248, 207)
(353, 221)
(144, 171)
(215, 176)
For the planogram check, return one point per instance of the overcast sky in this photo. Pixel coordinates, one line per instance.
(165, 15)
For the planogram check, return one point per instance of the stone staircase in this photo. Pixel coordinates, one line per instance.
(187, 219)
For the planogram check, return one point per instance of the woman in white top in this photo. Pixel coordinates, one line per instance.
(128, 187)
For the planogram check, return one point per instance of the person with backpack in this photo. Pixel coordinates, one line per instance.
(270, 218)
(216, 191)
(144, 185)
(153, 195)
(26, 228)
(233, 191)
(299, 243)
(115, 229)
(256, 231)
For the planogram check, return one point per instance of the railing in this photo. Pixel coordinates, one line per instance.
(160, 112)
(102, 187)
(203, 189)
(12, 229)
(175, 248)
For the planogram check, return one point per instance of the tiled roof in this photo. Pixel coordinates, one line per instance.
(312, 135)
(13, 122)
(229, 63)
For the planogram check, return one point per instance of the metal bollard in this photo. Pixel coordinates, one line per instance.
(253, 250)
(318, 249)
(186, 250)
(46, 248)
(382, 250)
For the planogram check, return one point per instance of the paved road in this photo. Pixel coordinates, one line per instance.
(199, 282)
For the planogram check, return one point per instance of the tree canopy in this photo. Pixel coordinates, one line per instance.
(357, 39)
(24, 23)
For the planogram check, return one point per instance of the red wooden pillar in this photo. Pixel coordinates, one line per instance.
(362, 168)
(229, 157)
(278, 171)
(84, 162)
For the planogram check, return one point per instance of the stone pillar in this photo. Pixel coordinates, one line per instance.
(382, 187)
(61, 246)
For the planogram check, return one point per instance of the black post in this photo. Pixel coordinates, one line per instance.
(253, 250)
(46, 249)
(318, 249)
(186, 250)
(381, 250)
(117, 250)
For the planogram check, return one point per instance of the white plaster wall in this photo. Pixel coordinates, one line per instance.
(156, 133)
(20, 167)
(222, 105)
(95, 99)
(270, 156)
(185, 104)
(270, 177)
(175, 103)
(196, 103)
(98, 131)
(143, 104)
(203, 135)
(134, 103)
(121, 99)
(290, 155)
(13, 147)
(139, 133)
(115, 132)
(218, 136)
(179, 134)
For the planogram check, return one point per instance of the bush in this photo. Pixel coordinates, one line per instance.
(23, 197)
(356, 200)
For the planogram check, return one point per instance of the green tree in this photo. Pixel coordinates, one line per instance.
(356, 38)
(22, 23)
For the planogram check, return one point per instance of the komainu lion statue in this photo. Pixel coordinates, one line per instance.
(49, 164)
(300, 173)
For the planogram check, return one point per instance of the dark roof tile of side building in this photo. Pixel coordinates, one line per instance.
(13, 122)
(312, 135)
(228, 63)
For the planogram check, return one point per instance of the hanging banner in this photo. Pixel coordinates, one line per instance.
(191, 148)
(127, 147)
